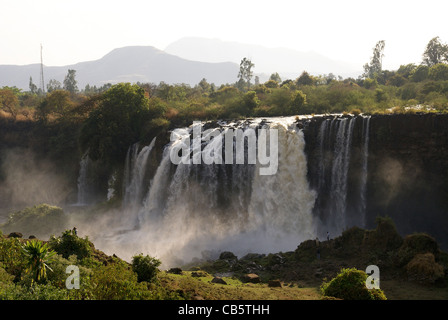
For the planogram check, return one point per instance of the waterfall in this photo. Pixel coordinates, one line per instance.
(365, 156)
(134, 176)
(334, 142)
(339, 173)
(192, 207)
(83, 183)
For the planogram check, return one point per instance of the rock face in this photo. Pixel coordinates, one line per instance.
(407, 172)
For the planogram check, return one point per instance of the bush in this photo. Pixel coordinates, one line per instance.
(417, 243)
(70, 244)
(145, 267)
(350, 284)
(424, 268)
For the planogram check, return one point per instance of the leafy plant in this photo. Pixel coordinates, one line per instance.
(38, 256)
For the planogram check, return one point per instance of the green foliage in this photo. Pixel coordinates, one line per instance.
(436, 52)
(70, 244)
(38, 256)
(39, 220)
(305, 79)
(34, 292)
(350, 284)
(145, 267)
(117, 123)
(438, 72)
(12, 257)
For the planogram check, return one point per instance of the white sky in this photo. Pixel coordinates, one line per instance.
(74, 31)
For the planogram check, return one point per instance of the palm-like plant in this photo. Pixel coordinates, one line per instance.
(38, 256)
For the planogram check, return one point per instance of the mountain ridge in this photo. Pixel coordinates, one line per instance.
(126, 64)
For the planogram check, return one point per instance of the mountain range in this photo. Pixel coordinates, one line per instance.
(188, 60)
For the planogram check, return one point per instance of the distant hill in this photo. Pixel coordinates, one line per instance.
(287, 62)
(128, 64)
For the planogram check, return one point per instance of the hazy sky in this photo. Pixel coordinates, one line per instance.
(74, 31)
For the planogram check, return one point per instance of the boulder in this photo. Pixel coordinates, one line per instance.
(15, 235)
(274, 284)
(218, 280)
(251, 278)
(175, 271)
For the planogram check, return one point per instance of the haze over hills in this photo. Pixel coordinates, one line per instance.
(187, 60)
(287, 62)
(128, 64)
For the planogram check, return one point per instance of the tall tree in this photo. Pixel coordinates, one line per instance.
(245, 74)
(32, 86)
(70, 83)
(275, 77)
(373, 69)
(435, 52)
(53, 85)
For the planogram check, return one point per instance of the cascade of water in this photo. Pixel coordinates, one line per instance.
(231, 206)
(83, 184)
(340, 134)
(365, 157)
(135, 170)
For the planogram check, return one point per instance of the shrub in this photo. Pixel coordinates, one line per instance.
(70, 244)
(415, 244)
(350, 284)
(145, 267)
(424, 268)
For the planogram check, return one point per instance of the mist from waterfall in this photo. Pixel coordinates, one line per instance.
(84, 189)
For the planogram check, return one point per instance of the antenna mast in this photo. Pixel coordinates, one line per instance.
(42, 83)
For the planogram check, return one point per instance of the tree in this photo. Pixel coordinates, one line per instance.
(373, 69)
(70, 83)
(56, 102)
(438, 72)
(275, 77)
(435, 52)
(145, 267)
(305, 79)
(53, 85)
(245, 74)
(298, 104)
(118, 122)
(32, 86)
(9, 101)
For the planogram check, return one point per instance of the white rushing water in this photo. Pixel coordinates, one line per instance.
(365, 157)
(190, 208)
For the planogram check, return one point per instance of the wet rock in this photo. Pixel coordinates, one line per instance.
(15, 235)
(251, 278)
